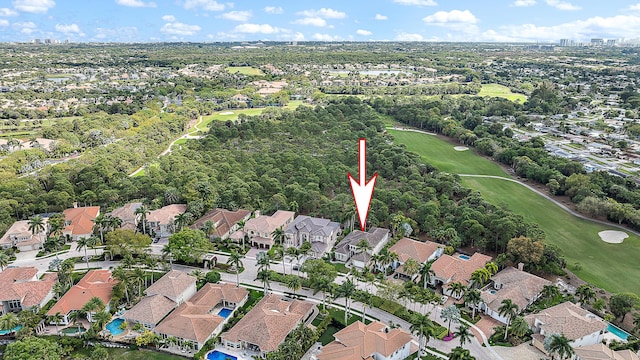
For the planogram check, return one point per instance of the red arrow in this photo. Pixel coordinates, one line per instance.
(362, 191)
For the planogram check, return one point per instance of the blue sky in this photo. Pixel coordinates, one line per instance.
(326, 20)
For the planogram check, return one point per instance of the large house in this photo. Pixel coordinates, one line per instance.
(602, 352)
(20, 289)
(581, 327)
(79, 222)
(448, 269)
(321, 233)
(260, 229)
(203, 316)
(22, 238)
(171, 290)
(225, 221)
(96, 283)
(161, 221)
(347, 250)
(267, 325)
(127, 214)
(374, 341)
(421, 252)
(521, 287)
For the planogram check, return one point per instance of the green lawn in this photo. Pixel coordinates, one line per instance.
(496, 90)
(232, 115)
(245, 70)
(441, 154)
(609, 266)
(126, 354)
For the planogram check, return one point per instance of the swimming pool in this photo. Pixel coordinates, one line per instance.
(73, 330)
(15, 329)
(219, 355)
(464, 257)
(493, 291)
(618, 332)
(114, 326)
(224, 313)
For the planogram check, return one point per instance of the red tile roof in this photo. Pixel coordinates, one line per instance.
(82, 219)
(22, 284)
(97, 283)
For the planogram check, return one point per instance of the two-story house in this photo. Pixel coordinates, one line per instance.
(448, 269)
(22, 238)
(161, 221)
(79, 222)
(373, 341)
(420, 251)
(20, 289)
(225, 221)
(260, 229)
(348, 251)
(321, 233)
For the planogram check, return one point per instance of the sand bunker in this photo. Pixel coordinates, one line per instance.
(460, 148)
(613, 236)
(227, 113)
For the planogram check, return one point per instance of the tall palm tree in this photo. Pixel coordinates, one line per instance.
(292, 253)
(471, 299)
(241, 224)
(411, 267)
(549, 292)
(99, 223)
(278, 236)
(636, 322)
(209, 228)
(294, 283)
(181, 220)
(55, 319)
(265, 276)
(491, 267)
(123, 276)
(326, 286)
(519, 327)
(9, 321)
(347, 289)
(480, 276)
(449, 314)
(151, 262)
(561, 345)
(138, 276)
(459, 353)
(507, 309)
(235, 260)
(114, 222)
(278, 251)
(457, 289)
(463, 334)
(101, 318)
(83, 243)
(263, 261)
(422, 326)
(76, 316)
(94, 242)
(4, 260)
(426, 273)
(94, 304)
(141, 213)
(36, 226)
(585, 294)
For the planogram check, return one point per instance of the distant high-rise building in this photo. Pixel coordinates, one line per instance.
(566, 42)
(597, 41)
(611, 42)
(37, 41)
(47, 41)
(66, 41)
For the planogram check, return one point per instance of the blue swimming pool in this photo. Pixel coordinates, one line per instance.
(464, 257)
(15, 329)
(114, 326)
(224, 313)
(219, 355)
(617, 332)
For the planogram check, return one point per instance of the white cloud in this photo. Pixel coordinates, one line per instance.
(178, 28)
(68, 29)
(635, 7)
(363, 32)
(27, 27)
(409, 37)
(273, 9)
(326, 37)
(4, 22)
(324, 13)
(523, 3)
(561, 5)
(169, 18)
(444, 18)
(381, 17)
(136, 3)
(416, 2)
(33, 6)
(8, 12)
(237, 15)
(257, 29)
(208, 5)
(312, 21)
(125, 33)
(298, 37)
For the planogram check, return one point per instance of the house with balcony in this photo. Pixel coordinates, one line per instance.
(373, 341)
(320, 233)
(347, 250)
(448, 269)
(260, 229)
(127, 214)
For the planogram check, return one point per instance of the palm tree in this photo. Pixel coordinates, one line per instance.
(491, 267)
(449, 314)
(235, 260)
(278, 251)
(209, 228)
(94, 304)
(294, 283)
(76, 316)
(292, 253)
(278, 236)
(585, 293)
(36, 226)
(123, 276)
(347, 289)
(480, 276)
(151, 262)
(411, 267)
(199, 275)
(561, 345)
(94, 242)
(101, 318)
(83, 243)
(519, 327)
(426, 273)
(457, 289)
(181, 220)
(263, 261)
(55, 319)
(422, 326)
(636, 322)
(99, 223)
(114, 222)
(459, 353)
(463, 334)
(549, 292)
(507, 309)
(472, 298)
(9, 321)
(142, 212)
(326, 286)
(138, 277)
(363, 245)
(4, 260)
(265, 276)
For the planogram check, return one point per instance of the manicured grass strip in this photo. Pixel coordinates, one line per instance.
(613, 267)
(245, 70)
(497, 90)
(442, 155)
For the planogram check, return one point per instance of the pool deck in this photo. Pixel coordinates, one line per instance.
(241, 355)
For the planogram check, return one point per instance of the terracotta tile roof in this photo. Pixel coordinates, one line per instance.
(81, 219)
(166, 214)
(126, 213)
(267, 224)
(420, 251)
(150, 310)
(171, 284)
(359, 341)
(22, 284)
(269, 322)
(519, 286)
(223, 219)
(97, 283)
(602, 352)
(192, 320)
(457, 269)
(568, 319)
(20, 230)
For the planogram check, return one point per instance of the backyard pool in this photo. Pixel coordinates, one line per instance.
(114, 326)
(72, 330)
(464, 257)
(618, 332)
(15, 329)
(224, 313)
(219, 355)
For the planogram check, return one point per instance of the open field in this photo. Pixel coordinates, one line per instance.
(245, 70)
(441, 154)
(609, 266)
(496, 90)
(232, 115)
